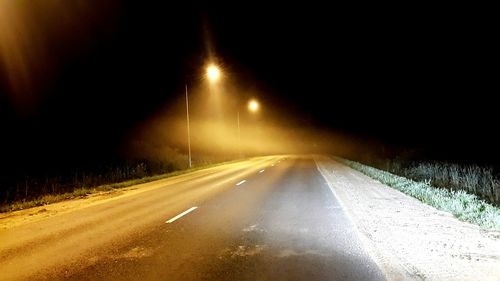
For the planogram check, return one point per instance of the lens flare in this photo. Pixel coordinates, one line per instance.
(253, 105)
(213, 73)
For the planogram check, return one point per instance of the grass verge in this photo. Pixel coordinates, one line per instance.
(466, 207)
(480, 180)
(85, 191)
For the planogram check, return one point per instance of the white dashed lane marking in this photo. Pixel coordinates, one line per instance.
(181, 214)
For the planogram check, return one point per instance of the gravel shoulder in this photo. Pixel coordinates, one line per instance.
(408, 239)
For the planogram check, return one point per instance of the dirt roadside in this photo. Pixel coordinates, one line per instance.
(408, 239)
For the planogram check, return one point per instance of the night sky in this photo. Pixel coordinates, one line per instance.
(415, 77)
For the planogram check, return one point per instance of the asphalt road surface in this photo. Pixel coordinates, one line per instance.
(269, 218)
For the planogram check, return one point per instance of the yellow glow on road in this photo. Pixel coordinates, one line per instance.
(213, 73)
(253, 105)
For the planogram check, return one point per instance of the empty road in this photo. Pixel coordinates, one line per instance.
(268, 218)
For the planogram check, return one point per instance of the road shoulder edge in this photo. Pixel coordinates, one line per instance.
(389, 266)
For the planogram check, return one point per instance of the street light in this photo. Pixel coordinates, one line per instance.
(253, 106)
(213, 74)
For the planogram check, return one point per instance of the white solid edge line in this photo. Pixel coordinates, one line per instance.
(241, 182)
(181, 214)
(261, 171)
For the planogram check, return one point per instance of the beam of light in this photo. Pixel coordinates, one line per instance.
(253, 105)
(213, 73)
(31, 36)
(18, 53)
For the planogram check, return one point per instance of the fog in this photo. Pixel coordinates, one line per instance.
(213, 114)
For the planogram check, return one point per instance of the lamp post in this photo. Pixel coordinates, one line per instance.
(213, 74)
(239, 136)
(188, 129)
(253, 106)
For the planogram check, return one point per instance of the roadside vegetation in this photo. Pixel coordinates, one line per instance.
(434, 190)
(38, 191)
(474, 179)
